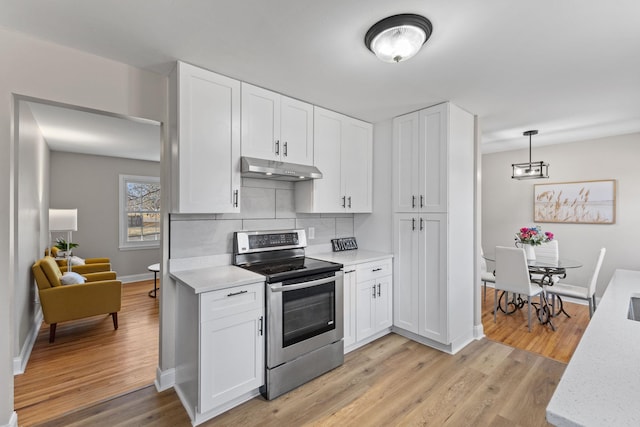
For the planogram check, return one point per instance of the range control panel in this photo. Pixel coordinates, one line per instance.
(344, 244)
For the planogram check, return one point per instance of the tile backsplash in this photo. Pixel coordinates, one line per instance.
(265, 205)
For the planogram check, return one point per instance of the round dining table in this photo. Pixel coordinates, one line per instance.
(547, 269)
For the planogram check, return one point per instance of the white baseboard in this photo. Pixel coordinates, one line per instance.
(165, 379)
(13, 420)
(478, 331)
(136, 277)
(20, 361)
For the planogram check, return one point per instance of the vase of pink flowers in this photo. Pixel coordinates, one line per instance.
(529, 237)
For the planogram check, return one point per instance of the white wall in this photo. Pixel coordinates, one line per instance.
(47, 71)
(33, 199)
(507, 204)
(90, 184)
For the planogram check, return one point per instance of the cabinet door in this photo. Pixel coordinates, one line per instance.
(433, 277)
(231, 358)
(365, 323)
(406, 163)
(433, 155)
(208, 145)
(383, 304)
(296, 131)
(407, 283)
(327, 136)
(356, 161)
(349, 301)
(260, 123)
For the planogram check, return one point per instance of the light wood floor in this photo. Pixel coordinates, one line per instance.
(512, 329)
(89, 360)
(392, 381)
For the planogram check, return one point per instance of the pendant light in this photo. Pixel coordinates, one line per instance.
(531, 170)
(399, 37)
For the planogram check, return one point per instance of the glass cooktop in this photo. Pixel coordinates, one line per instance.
(276, 271)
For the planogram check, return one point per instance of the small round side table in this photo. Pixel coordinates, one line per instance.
(155, 268)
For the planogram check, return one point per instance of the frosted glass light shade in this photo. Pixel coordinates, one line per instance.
(63, 219)
(399, 37)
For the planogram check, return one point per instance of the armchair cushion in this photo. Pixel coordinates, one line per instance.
(71, 278)
(51, 270)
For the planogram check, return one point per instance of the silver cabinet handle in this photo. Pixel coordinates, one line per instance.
(285, 149)
(413, 223)
(378, 289)
(376, 269)
(374, 290)
(344, 201)
(277, 147)
(350, 271)
(235, 198)
(233, 294)
(349, 198)
(413, 201)
(421, 201)
(421, 224)
(260, 329)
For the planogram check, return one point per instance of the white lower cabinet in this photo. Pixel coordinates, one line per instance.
(367, 302)
(220, 348)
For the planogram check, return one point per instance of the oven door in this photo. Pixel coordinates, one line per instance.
(303, 314)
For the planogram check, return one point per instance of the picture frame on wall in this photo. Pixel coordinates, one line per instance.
(581, 202)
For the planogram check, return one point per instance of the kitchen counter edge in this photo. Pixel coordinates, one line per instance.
(208, 279)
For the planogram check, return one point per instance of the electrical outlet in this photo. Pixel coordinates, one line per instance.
(312, 233)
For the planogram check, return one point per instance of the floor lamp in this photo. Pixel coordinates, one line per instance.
(63, 220)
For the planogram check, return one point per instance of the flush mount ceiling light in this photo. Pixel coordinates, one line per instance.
(531, 170)
(399, 37)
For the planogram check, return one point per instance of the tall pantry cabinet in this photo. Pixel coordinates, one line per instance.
(433, 199)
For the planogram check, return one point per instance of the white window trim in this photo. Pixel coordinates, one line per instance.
(122, 214)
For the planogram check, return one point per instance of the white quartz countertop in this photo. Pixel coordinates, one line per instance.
(357, 256)
(213, 278)
(601, 385)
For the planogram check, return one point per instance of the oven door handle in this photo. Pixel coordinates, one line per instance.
(278, 287)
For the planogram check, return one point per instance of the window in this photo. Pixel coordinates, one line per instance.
(139, 212)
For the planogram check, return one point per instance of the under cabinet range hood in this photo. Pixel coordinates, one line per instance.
(281, 171)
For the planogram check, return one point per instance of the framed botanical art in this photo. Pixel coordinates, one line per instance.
(583, 202)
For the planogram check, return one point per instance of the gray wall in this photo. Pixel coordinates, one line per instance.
(507, 204)
(32, 219)
(90, 184)
(265, 205)
(374, 231)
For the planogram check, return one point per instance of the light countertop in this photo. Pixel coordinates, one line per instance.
(213, 278)
(601, 385)
(357, 256)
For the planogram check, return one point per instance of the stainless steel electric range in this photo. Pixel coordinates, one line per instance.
(303, 304)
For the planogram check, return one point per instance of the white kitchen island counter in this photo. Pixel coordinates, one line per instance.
(601, 385)
(214, 278)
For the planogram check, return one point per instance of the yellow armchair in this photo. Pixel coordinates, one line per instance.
(91, 265)
(101, 294)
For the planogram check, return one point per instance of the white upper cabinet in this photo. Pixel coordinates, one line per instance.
(420, 159)
(343, 153)
(205, 132)
(276, 127)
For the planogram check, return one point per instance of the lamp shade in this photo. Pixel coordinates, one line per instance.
(63, 219)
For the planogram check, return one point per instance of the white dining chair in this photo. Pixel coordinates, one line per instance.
(512, 275)
(485, 275)
(581, 292)
(547, 251)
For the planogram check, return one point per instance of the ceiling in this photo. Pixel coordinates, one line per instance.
(570, 68)
(100, 134)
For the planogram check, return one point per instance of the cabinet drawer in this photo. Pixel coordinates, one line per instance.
(373, 270)
(225, 302)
